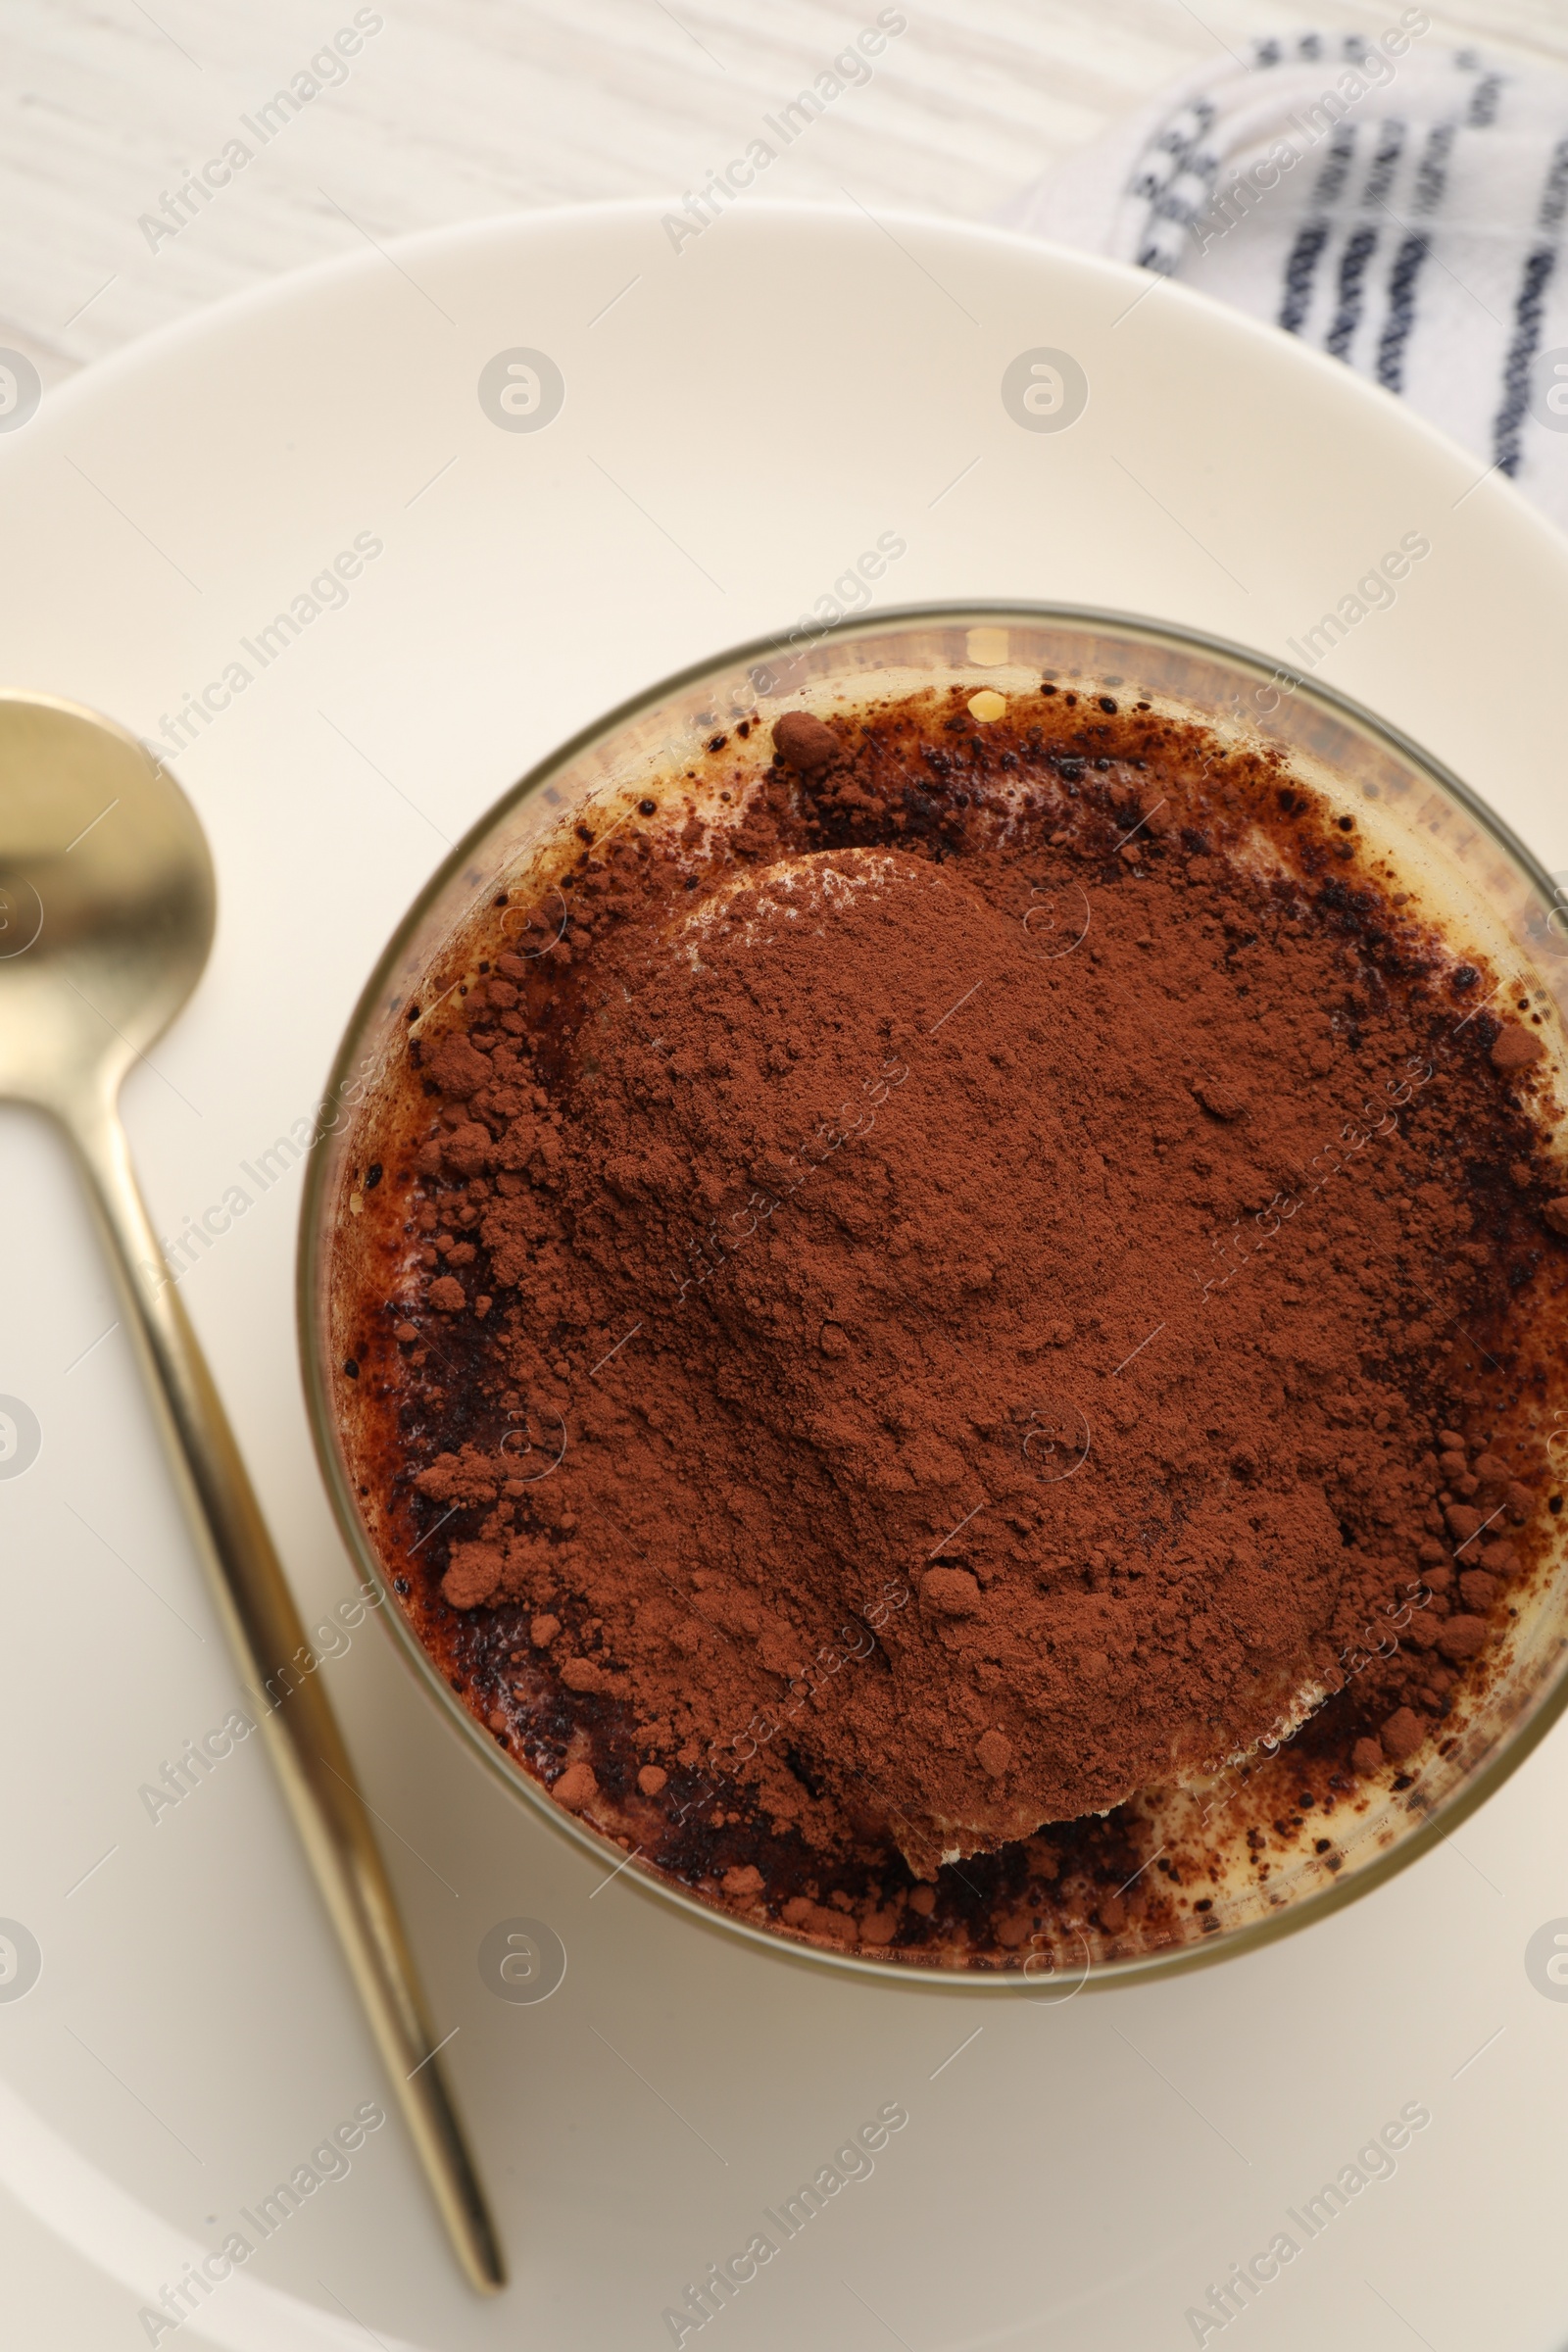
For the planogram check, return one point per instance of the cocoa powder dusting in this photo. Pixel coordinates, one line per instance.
(949, 1298)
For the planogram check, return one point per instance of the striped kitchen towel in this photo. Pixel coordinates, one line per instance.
(1396, 204)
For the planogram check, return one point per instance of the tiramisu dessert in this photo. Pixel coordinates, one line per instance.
(949, 1275)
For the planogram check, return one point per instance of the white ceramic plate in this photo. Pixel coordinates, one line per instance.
(742, 419)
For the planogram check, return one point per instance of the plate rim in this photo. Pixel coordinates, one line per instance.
(284, 291)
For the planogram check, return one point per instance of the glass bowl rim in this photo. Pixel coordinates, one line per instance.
(1442, 1820)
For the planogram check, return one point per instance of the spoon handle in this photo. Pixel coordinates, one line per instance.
(266, 1634)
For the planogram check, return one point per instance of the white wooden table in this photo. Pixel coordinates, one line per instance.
(455, 109)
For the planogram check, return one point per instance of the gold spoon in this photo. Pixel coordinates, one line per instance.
(107, 908)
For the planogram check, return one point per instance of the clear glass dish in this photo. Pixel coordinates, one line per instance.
(1491, 899)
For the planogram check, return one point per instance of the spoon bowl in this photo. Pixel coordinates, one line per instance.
(107, 900)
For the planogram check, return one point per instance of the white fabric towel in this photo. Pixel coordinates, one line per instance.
(1397, 205)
